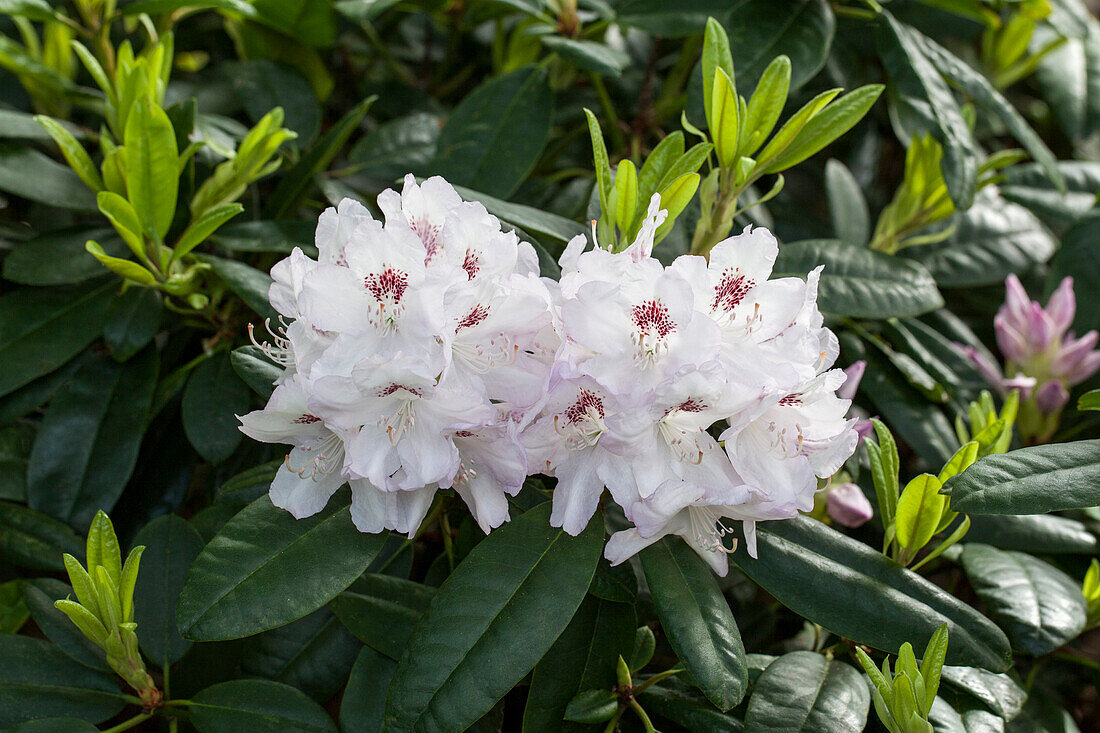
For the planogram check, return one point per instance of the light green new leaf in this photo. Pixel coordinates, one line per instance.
(75, 154)
(201, 229)
(152, 168)
(126, 268)
(919, 510)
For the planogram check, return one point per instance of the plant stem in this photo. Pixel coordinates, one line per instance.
(127, 725)
(657, 678)
(641, 713)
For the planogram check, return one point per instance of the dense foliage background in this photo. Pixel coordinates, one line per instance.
(217, 130)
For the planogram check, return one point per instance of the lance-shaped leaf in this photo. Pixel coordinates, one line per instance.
(805, 691)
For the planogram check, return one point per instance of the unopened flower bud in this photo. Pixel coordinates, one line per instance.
(847, 505)
(1051, 397)
(854, 375)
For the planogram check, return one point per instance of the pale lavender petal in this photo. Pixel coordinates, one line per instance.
(1051, 397)
(982, 363)
(854, 374)
(1062, 305)
(1084, 369)
(848, 505)
(1017, 303)
(1040, 329)
(1072, 352)
(1021, 383)
(1010, 341)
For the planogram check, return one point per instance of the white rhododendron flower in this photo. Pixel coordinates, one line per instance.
(424, 352)
(412, 349)
(698, 394)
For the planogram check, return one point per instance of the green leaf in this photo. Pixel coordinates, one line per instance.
(201, 229)
(37, 680)
(364, 704)
(298, 181)
(265, 568)
(280, 236)
(1027, 184)
(13, 611)
(132, 321)
(212, 399)
(916, 77)
(152, 167)
(75, 154)
(847, 205)
(248, 486)
(59, 258)
(801, 562)
(124, 218)
(805, 691)
(88, 443)
(1089, 400)
(526, 217)
(1035, 480)
(592, 706)
(692, 711)
(919, 511)
(1046, 534)
(171, 545)
(1069, 78)
(262, 85)
(802, 30)
(403, 145)
(255, 369)
(1039, 607)
(128, 269)
(858, 282)
(697, 620)
(24, 126)
(998, 692)
(382, 610)
(54, 725)
(493, 619)
(53, 184)
(824, 127)
(716, 57)
(257, 706)
(990, 240)
(494, 137)
(35, 540)
(250, 284)
(40, 595)
(583, 658)
(314, 654)
(670, 19)
(1077, 258)
(589, 55)
(15, 450)
(724, 121)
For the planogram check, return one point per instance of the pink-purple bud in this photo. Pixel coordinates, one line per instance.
(847, 505)
(1062, 306)
(1051, 397)
(854, 374)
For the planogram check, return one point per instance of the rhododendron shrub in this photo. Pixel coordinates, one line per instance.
(549, 366)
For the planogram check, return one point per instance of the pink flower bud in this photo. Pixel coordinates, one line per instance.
(847, 505)
(1051, 397)
(1074, 359)
(1062, 305)
(1012, 342)
(1017, 303)
(854, 373)
(863, 428)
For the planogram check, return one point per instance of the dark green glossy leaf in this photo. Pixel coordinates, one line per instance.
(1077, 258)
(1039, 607)
(494, 137)
(918, 80)
(248, 486)
(88, 443)
(15, 449)
(59, 257)
(265, 568)
(255, 369)
(493, 619)
(859, 282)
(132, 322)
(364, 705)
(54, 725)
(1035, 480)
(13, 610)
(592, 706)
(280, 236)
(1038, 533)
(257, 706)
(404, 145)
(52, 183)
(1069, 77)
(992, 239)
(314, 654)
(250, 284)
(697, 620)
(262, 85)
(171, 545)
(690, 711)
(37, 680)
(804, 692)
(382, 611)
(847, 205)
(35, 540)
(589, 55)
(40, 595)
(212, 399)
(41, 329)
(1028, 186)
(801, 29)
(614, 583)
(583, 658)
(998, 692)
(671, 18)
(298, 181)
(801, 562)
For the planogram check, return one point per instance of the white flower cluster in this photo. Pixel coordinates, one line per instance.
(426, 353)
(412, 348)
